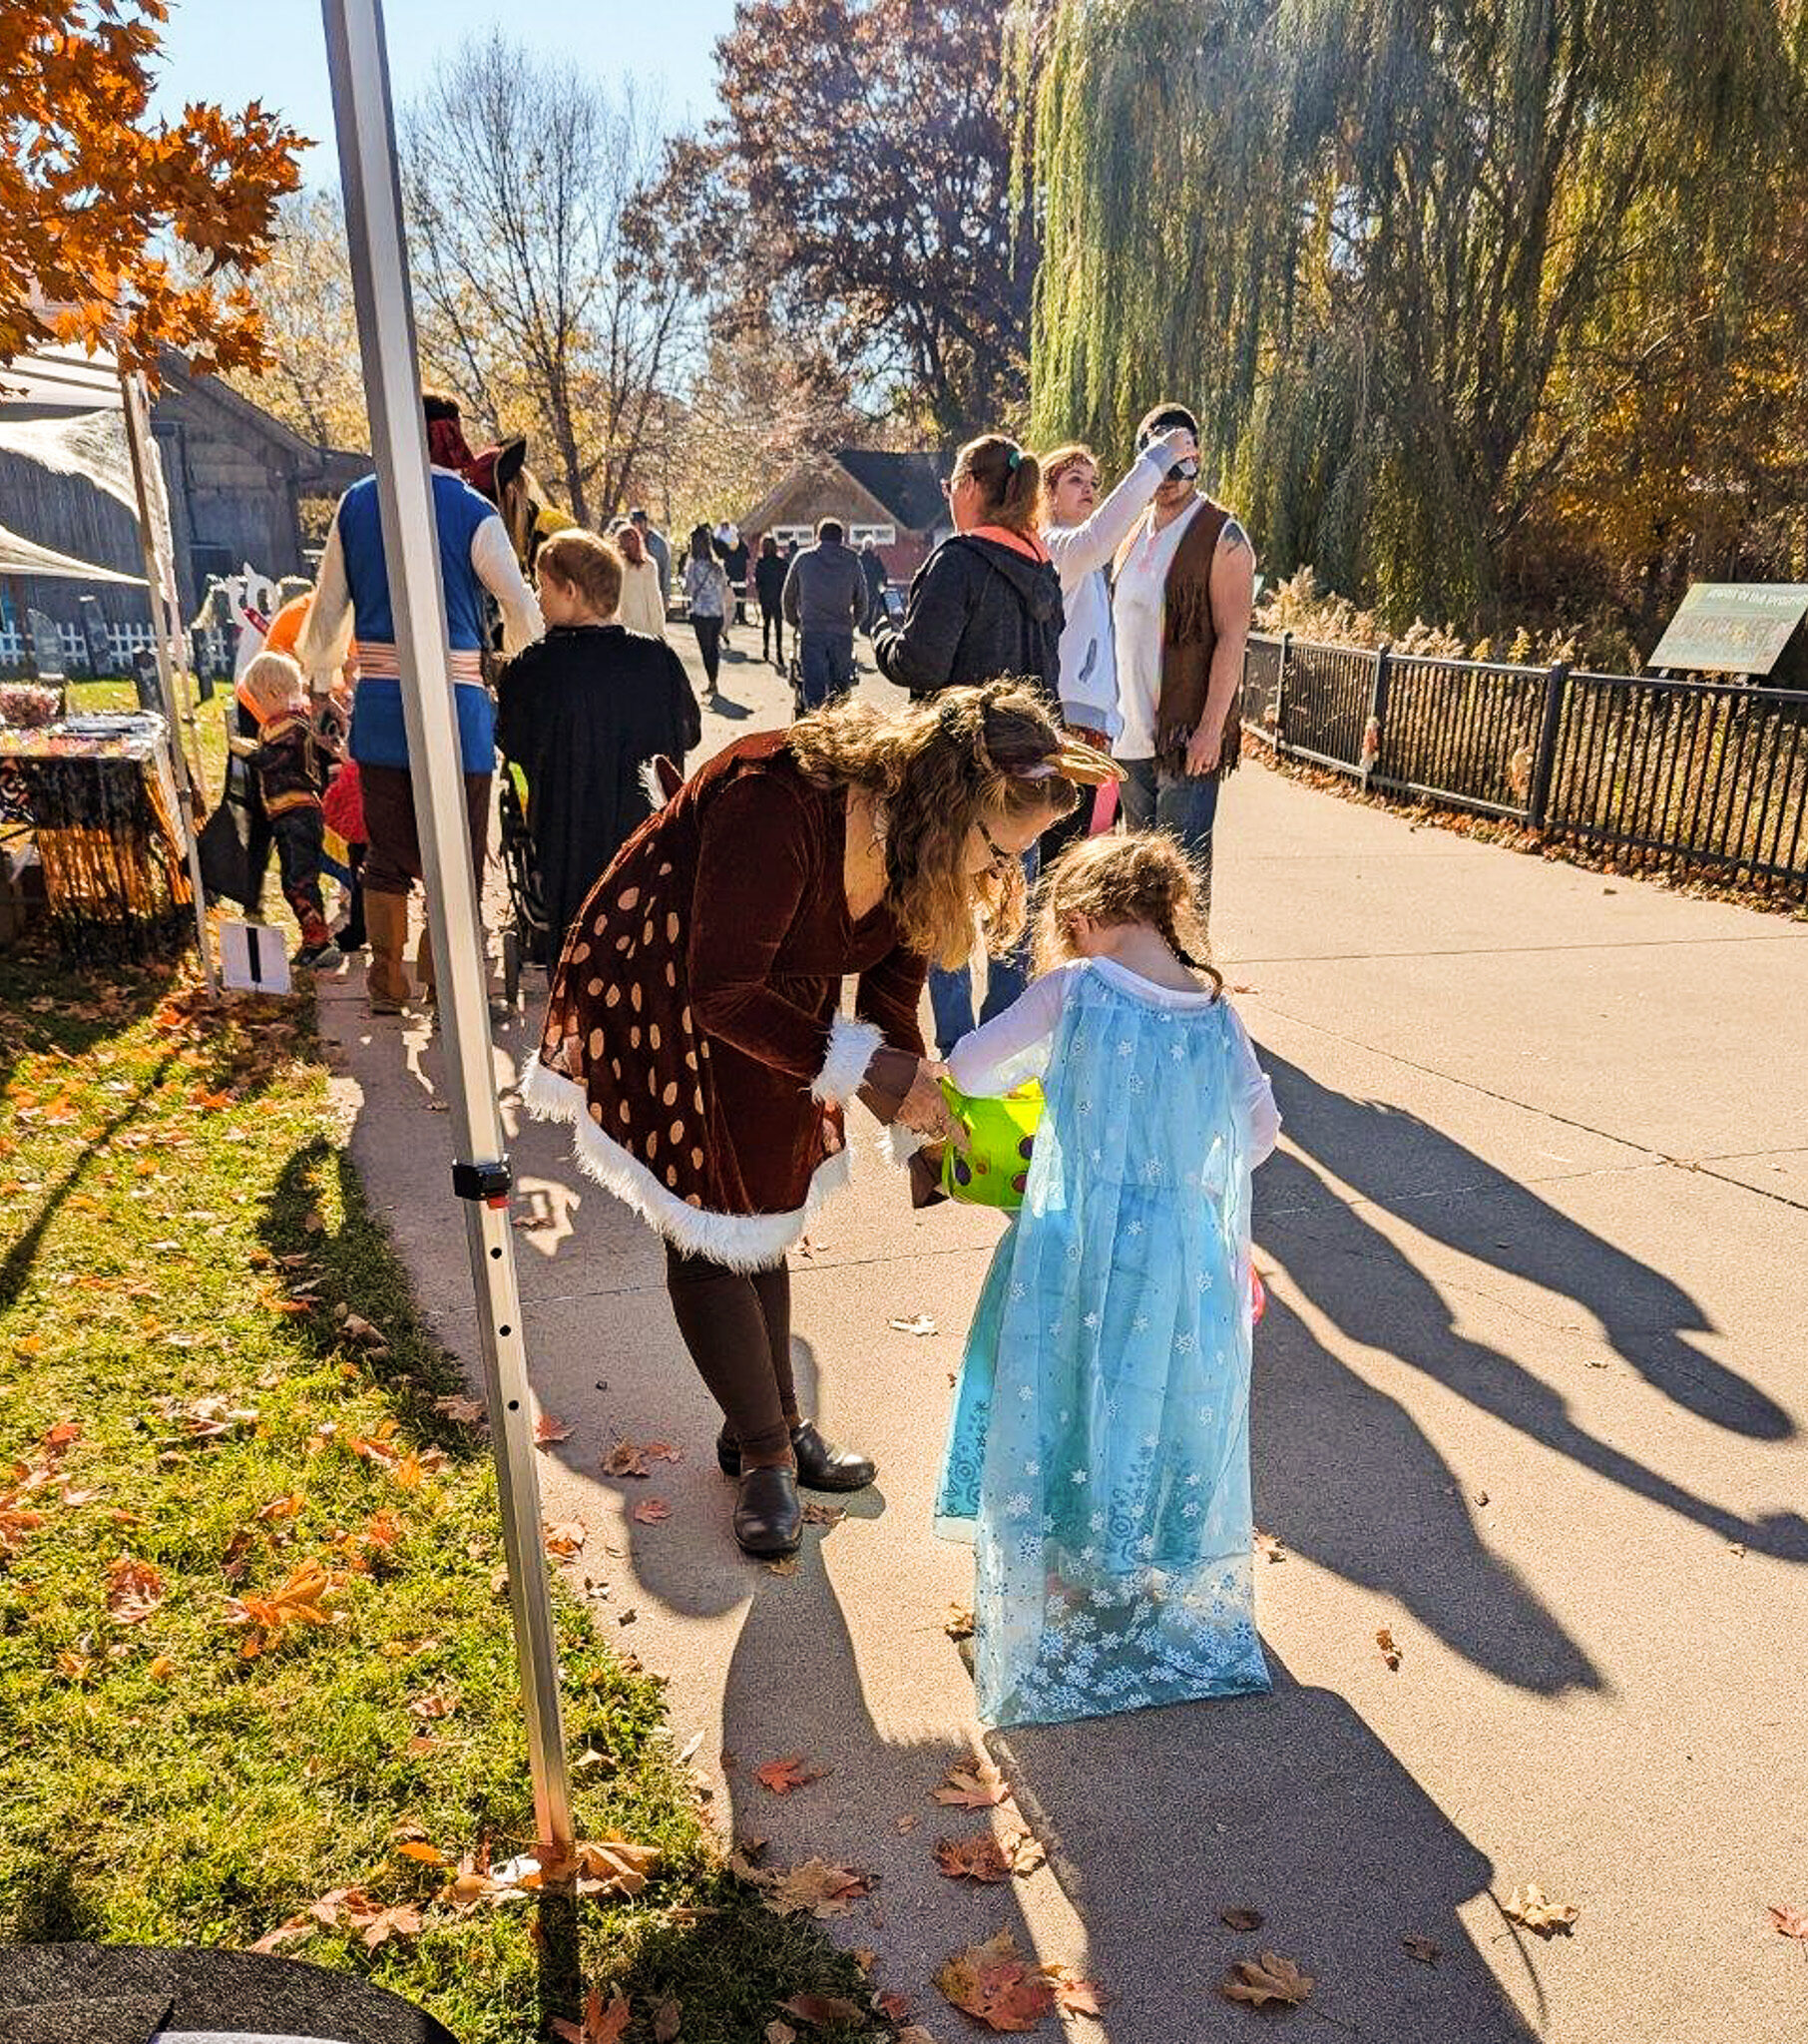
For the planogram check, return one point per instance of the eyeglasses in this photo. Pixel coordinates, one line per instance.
(1002, 860)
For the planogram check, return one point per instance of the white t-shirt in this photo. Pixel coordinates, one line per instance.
(1138, 603)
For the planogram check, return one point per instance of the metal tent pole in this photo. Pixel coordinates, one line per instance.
(358, 63)
(154, 545)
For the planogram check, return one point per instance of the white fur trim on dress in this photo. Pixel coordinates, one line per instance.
(851, 1048)
(739, 1242)
(650, 783)
(898, 1144)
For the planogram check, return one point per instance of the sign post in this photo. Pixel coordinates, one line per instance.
(358, 63)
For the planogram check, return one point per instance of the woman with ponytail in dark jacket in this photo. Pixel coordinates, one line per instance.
(986, 602)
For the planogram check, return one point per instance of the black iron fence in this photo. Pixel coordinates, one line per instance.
(1710, 776)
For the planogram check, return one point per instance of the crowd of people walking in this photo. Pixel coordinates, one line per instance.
(1064, 659)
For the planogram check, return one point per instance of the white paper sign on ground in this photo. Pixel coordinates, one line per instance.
(254, 958)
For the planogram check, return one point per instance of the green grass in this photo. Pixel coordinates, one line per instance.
(167, 1176)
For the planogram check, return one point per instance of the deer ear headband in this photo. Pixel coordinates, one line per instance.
(1072, 759)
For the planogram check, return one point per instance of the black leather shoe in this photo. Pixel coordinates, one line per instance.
(820, 1464)
(768, 1516)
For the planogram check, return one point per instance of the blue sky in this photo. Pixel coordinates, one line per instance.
(234, 51)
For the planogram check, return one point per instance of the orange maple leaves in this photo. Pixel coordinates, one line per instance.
(90, 187)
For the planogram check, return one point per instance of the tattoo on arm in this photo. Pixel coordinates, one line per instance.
(1233, 537)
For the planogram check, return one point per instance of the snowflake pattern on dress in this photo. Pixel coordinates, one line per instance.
(1116, 1433)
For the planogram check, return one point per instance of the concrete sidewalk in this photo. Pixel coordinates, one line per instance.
(1530, 1393)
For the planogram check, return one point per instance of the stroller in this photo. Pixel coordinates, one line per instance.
(526, 939)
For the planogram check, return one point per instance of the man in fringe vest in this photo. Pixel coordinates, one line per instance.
(1184, 587)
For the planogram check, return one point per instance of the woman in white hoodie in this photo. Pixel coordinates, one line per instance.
(1082, 535)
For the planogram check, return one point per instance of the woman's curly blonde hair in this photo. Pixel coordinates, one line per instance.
(1144, 877)
(938, 768)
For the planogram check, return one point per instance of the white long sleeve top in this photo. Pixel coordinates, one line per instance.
(1015, 1046)
(1082, 553)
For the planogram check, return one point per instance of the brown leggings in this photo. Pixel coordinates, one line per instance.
(737, 1327)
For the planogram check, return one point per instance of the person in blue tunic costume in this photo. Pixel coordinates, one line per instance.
(1099, 1451)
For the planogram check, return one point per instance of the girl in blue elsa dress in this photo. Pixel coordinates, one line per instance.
(1099, 1452)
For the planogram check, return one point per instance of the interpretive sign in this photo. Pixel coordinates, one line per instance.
(1732, 628)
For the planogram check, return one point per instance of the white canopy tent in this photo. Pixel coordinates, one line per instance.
(112, 413)
(25, 557)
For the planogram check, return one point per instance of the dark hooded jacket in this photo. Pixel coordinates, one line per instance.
(582, 713)
(978, 609)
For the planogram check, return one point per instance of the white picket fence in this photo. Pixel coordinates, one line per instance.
(212, 651)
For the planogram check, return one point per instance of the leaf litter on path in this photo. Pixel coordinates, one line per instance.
(783, 1775)
(973, 1785)
(1789, 1921)
(996, 1985)
(1256, 1982)
(921, 1325)
(1530, 1905)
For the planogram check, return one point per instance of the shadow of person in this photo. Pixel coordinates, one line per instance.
(1343, 1474)
(1366, 1286)
(1448, 1192)
(1290, 1805)
(796, 1686)
(727, 705)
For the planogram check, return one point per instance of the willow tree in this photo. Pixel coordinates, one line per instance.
(1366, 237)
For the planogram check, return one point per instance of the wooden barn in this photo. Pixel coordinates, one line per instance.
(895, 500)
(237, 480)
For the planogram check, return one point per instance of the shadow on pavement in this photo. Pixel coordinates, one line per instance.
(1373, 1294)
(1344, 1475)
(1287, 1805)
(1447, 1191)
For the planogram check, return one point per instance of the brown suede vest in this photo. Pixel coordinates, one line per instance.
(1190, 637)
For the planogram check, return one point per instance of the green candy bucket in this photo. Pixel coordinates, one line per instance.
(993, 1169)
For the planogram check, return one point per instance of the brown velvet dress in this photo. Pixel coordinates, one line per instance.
(693, 1036)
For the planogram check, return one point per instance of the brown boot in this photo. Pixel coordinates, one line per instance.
(385, 978)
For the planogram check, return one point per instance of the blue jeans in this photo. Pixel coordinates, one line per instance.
(1156, 799)
(827, 661)
(950, 989)
(1153, 799)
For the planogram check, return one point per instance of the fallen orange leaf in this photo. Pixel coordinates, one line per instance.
(134, 1590)
(976, 1785)
(548, 1430)
(625, 1460)
(598, 2025)
(993, 1983)
(825, 1890)
(1073, 1995)
(650, 1510)
(979, 1857)
(782, 1777)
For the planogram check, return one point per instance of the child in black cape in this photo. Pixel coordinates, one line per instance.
(582, 713)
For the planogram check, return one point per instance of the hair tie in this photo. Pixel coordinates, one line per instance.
(1013, 458)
